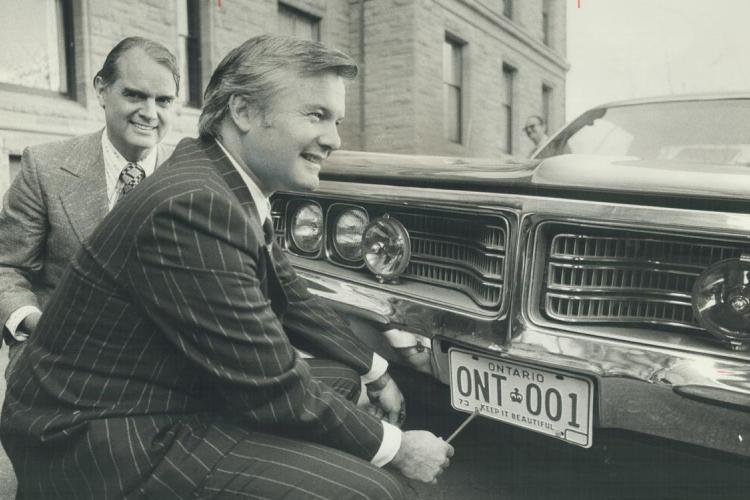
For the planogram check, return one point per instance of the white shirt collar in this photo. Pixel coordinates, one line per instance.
(261, 202)
(114, 162)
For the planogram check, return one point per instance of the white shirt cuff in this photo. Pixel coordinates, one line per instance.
(390, 445)
(15, 319)
(379, 367)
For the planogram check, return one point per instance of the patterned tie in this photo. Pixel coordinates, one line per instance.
(130, 176)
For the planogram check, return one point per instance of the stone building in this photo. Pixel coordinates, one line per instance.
(444, 77)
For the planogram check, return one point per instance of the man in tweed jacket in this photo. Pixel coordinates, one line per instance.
(162, 368)
(65, 189)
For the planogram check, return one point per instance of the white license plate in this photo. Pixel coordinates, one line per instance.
(539, 399)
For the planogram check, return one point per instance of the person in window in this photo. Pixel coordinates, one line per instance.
(536, 131)
(64, 189)
(163, 365)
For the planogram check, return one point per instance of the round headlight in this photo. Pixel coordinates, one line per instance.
(386, 247)
(307, 227)
(721, 301)
(347, 236)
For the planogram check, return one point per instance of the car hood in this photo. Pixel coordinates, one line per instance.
(567, 175)
(622, 174)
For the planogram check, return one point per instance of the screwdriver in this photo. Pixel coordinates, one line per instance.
(463, 424)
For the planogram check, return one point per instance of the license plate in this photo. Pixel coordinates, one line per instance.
(539, 399)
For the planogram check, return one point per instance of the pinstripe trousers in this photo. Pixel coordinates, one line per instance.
(258, 465)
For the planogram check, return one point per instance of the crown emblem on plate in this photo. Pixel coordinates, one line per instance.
(515, 396)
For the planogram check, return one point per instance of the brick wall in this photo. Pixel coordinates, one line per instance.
(395, 106)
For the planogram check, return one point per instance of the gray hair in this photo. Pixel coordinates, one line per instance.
(257, 70)
(154, 50)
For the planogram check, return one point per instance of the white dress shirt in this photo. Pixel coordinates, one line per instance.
(114, 162)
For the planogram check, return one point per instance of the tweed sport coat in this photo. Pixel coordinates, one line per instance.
(164, 342)
(53, 204)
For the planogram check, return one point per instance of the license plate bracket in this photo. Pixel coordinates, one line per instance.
(544, 400)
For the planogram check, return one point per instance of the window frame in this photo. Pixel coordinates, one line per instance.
(508, 8)
(69, 66)
(455, 47)
(546, 23)
(192, 81)
(548, 96)
(510, 73)
(299, 15)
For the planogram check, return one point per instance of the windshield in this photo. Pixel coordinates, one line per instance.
(708, 131)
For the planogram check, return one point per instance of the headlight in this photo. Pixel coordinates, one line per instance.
(386, 247)
(307, 227)
(347, 236)
(721, 301)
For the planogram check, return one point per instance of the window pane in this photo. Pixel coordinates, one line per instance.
(452, 82)
(189, 52)
(508, 8)
(545, 22)
(507, 118)
(452, 112)
(447, 61)
(456, 76)
(546, 103)
(508, 85)
(33, 45)
(182, 50)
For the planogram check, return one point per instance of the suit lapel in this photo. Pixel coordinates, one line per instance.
(238, 187)
(270, 282)
(84, 195)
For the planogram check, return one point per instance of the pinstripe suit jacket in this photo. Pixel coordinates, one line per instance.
(164, 339)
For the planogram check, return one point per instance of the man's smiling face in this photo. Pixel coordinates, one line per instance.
(138, 105)
(287, 144)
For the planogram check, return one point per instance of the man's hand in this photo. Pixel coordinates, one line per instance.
(28, 325)
(387, 399)
(422, 456)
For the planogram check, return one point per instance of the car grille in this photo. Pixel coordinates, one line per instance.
(595, 275)
(463, 252)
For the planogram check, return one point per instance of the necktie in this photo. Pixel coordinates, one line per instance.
(130, 176)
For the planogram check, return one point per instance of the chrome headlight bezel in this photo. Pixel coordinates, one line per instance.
(316, 222)
(721, 301)
(336, 250)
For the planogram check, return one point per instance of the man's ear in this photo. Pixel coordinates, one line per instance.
(242, 113)
(100, 87)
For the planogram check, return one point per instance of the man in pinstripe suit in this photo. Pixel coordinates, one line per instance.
(163, 368)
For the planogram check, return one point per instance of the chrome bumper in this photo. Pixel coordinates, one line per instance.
(690, 397)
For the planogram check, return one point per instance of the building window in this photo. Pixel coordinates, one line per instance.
(294, 22)
(546, 104)
(508, 8)
(509, 76)
(37, 45)
(546, 35)
(452, 81)
(189, 52)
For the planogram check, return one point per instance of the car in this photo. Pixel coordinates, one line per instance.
(567, 296)
(693, 128)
